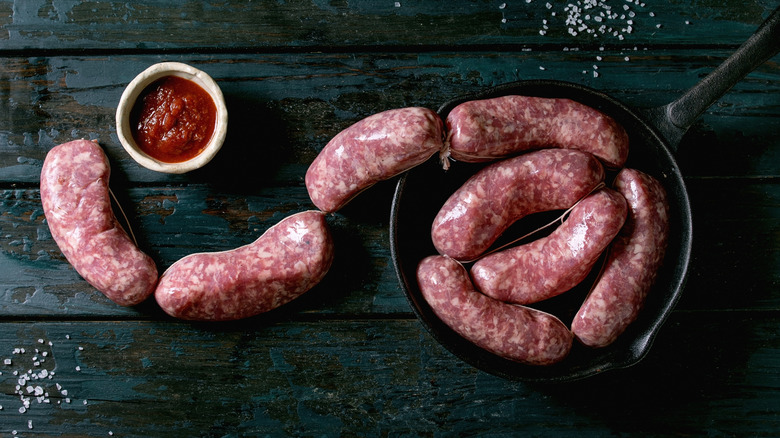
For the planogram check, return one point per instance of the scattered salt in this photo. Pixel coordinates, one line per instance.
(30, 382)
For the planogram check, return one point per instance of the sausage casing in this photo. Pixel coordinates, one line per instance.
(514, 332)
(287, 260)
(483, 130)
(483, 208)
(374, 149)
(556, 263)
(77, 206)
(632, 264)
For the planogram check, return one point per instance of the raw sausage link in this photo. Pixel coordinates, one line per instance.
(373, 149)
(632, 265)
(483, 130)
(514, 332)
(287, 260)
(77, 206)
(554, 264)
(502, 193)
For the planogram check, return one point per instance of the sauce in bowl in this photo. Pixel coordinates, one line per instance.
(173, 119)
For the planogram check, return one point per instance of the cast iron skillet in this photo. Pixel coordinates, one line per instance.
(654, 135)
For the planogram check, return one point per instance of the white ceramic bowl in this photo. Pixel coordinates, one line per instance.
(137, 86)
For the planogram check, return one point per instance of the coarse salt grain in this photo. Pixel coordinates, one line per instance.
(29, 393)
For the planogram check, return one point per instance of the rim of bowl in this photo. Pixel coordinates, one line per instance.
(137, 86)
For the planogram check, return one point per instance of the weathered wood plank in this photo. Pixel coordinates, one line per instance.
(284, 108)
(173, 222)
(156, 25)
(736, 247)
(357, 378)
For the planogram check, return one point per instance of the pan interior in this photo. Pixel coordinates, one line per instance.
(422, 191)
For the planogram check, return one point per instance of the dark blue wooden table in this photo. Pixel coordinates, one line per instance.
(350, 358)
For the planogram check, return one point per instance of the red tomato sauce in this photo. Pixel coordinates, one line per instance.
(173, 119)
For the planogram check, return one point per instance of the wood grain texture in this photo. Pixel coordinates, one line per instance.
(328, 378)
(284, 108)
(739, 225)
(349, 358)
(269, 25)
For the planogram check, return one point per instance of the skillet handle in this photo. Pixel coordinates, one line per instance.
(674, 119)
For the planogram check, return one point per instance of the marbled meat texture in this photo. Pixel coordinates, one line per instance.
(514, 332)
(287, 260)
(483, 130)
(553, 264)
(77, 206)
(632, 266)
(374, 149)
(497, 196)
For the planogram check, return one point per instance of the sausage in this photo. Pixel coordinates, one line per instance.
(632, 264)
(514, 332)
(483, 208)
(287, 260)
(556, 263)
(374, 149)
(483, 130)
(77, 206)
